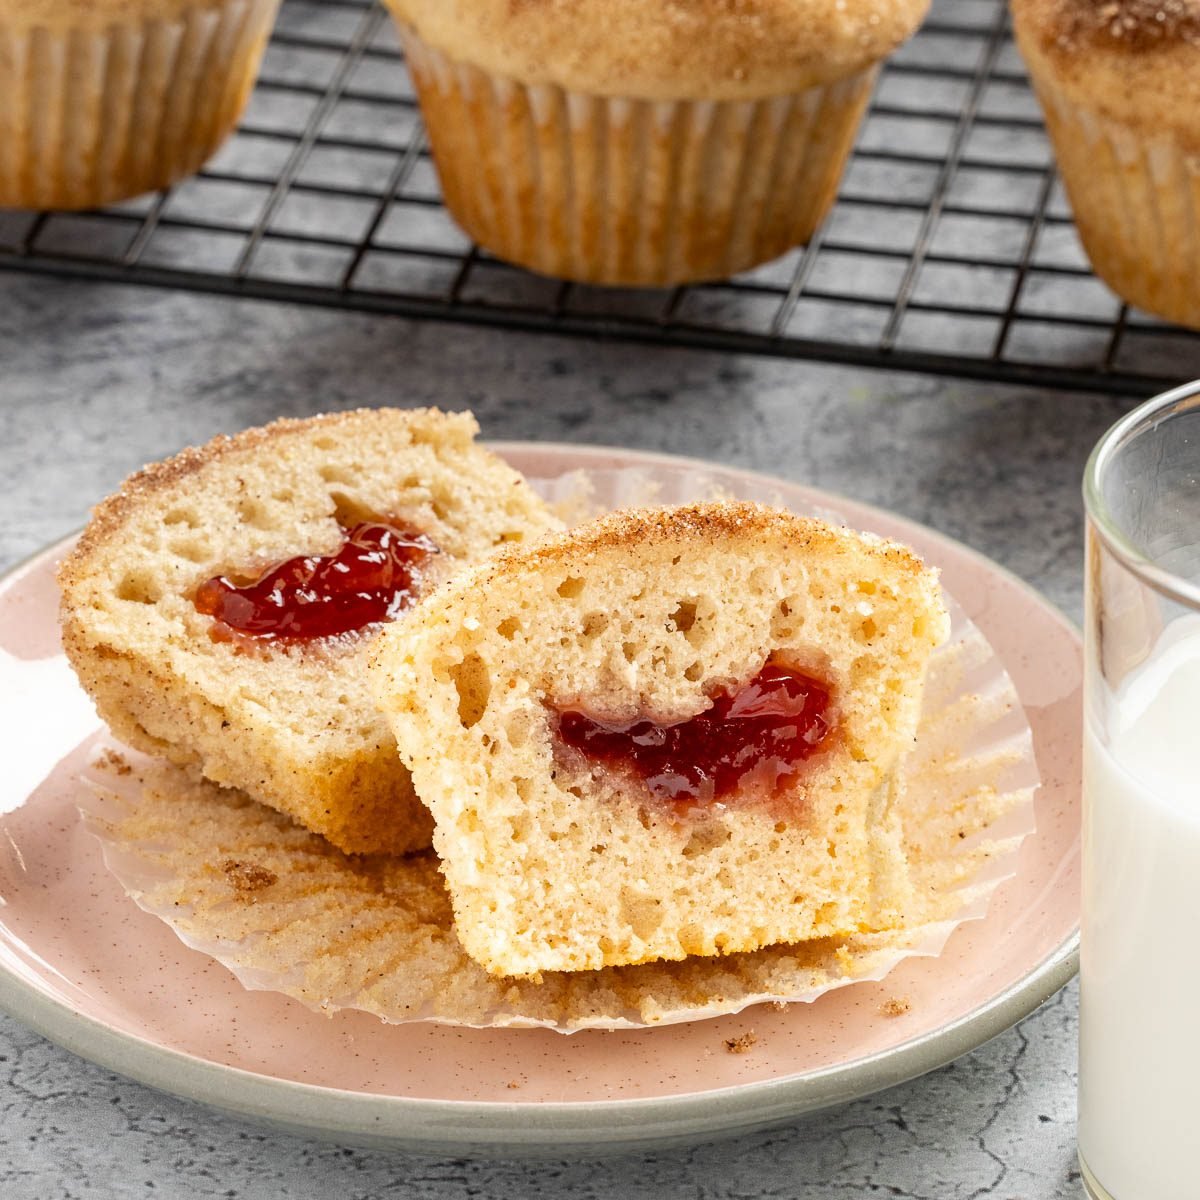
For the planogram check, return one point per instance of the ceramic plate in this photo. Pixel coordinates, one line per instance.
(83, 965)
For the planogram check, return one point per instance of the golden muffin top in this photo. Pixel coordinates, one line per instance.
(666, 49)
(1132, 61)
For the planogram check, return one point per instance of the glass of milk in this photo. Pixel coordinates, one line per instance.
(1139, 1039)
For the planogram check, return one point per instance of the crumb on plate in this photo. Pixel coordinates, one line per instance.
(742, 1043)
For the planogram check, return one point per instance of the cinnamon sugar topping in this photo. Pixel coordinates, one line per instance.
(1135, 24)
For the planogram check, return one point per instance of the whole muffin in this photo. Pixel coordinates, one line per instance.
(1119, 81)
(644, 142)
(101, 100)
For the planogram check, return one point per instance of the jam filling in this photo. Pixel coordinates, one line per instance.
(757, 737)
(373, 577)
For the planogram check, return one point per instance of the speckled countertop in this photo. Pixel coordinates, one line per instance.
(97, 379)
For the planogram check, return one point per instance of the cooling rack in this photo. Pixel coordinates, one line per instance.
(950, 249)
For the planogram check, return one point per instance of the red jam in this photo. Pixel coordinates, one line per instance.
(373, 577)
(755, 737)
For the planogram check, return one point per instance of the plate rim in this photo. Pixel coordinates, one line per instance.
(498, 1128)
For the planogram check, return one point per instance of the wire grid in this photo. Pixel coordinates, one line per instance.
(950, 249)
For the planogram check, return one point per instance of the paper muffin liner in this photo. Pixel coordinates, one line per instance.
(1136, 203)
(623, 191)
(285, 911)
(93, 116)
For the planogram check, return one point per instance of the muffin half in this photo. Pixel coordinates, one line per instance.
(665, 733)
(219, 608)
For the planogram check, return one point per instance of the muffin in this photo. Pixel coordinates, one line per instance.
(665, 733)
(101, 100)
(1119, 83)
(644, 142)
(219, 608)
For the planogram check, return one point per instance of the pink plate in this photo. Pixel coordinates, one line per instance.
(83, 965)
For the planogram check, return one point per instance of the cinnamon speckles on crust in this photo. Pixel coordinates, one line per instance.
(1128, 24)
(1116, 69)
(666, 49)
(690, 524)
(1076, 30)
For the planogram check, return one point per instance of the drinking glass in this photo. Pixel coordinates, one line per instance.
(1139, 1028)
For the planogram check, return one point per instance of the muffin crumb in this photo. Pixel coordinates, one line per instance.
(113, 760)
(896, 1006)
(247, 878)
(742, 1043)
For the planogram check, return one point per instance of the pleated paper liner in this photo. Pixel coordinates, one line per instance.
(1136, 203)
(616, 190)
(94, 112)
(285, 911)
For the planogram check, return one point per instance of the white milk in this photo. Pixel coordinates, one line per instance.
(1139, 1088)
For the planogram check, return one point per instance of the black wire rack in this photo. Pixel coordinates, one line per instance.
(950, 249)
